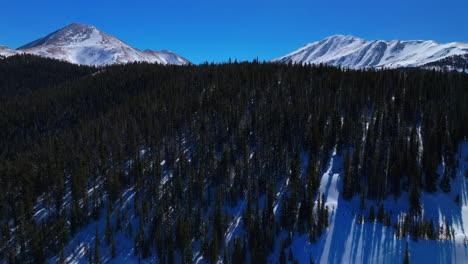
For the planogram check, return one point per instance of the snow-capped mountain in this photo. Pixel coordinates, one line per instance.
(84, 44)
(5, 51)
(353, 52)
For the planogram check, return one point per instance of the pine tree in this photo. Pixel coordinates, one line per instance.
(360, 219)
(313, 175)
(11, 257)
(214, 249)
(61, 259)
(188, 255)
(406, 259)
(238, 255)
(295, 169)
(311, 223)
(290, 255)
(347, 181)
(89, 254)
(371, 213)
(415, 204)
(448, 234)
(282, 257)
(97, 254)
(381, 213)
(362, 202)
(445, 184)
(311, 261)
(388, 220)
(113, 246)
(118, 223)
(108, 232)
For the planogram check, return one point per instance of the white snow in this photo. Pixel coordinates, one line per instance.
(6, 52)
(345, 241)
(352, 52)
(87, 45)
(329, 184)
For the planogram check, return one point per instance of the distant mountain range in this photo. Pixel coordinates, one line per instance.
(353, 52)
(84, 44)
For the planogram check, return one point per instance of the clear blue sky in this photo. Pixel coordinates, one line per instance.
(215, 30)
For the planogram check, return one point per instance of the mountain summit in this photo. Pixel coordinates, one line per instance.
(85, 44)
(74, 34)
(353, 52)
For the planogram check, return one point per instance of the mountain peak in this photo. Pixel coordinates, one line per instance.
(339, 36)
(79, 27)
(342, 38)
(72, 34)
(353, 52)
(74, 24)
(86, 44)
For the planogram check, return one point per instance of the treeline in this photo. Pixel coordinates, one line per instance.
(455, 62)
(195, 142)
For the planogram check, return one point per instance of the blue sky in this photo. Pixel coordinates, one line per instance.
(209, 30)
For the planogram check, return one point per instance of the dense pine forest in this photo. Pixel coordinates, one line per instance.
(193, 143)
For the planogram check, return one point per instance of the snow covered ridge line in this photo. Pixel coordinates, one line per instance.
(353, 52)
(87, 45)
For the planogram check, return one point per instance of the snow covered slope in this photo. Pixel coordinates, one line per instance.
(345, 241)
(84, 44)
(352, 52)
(168, 57)
(5, 51)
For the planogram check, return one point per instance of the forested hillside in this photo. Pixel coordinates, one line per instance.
(456, 62)
(200, 163)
